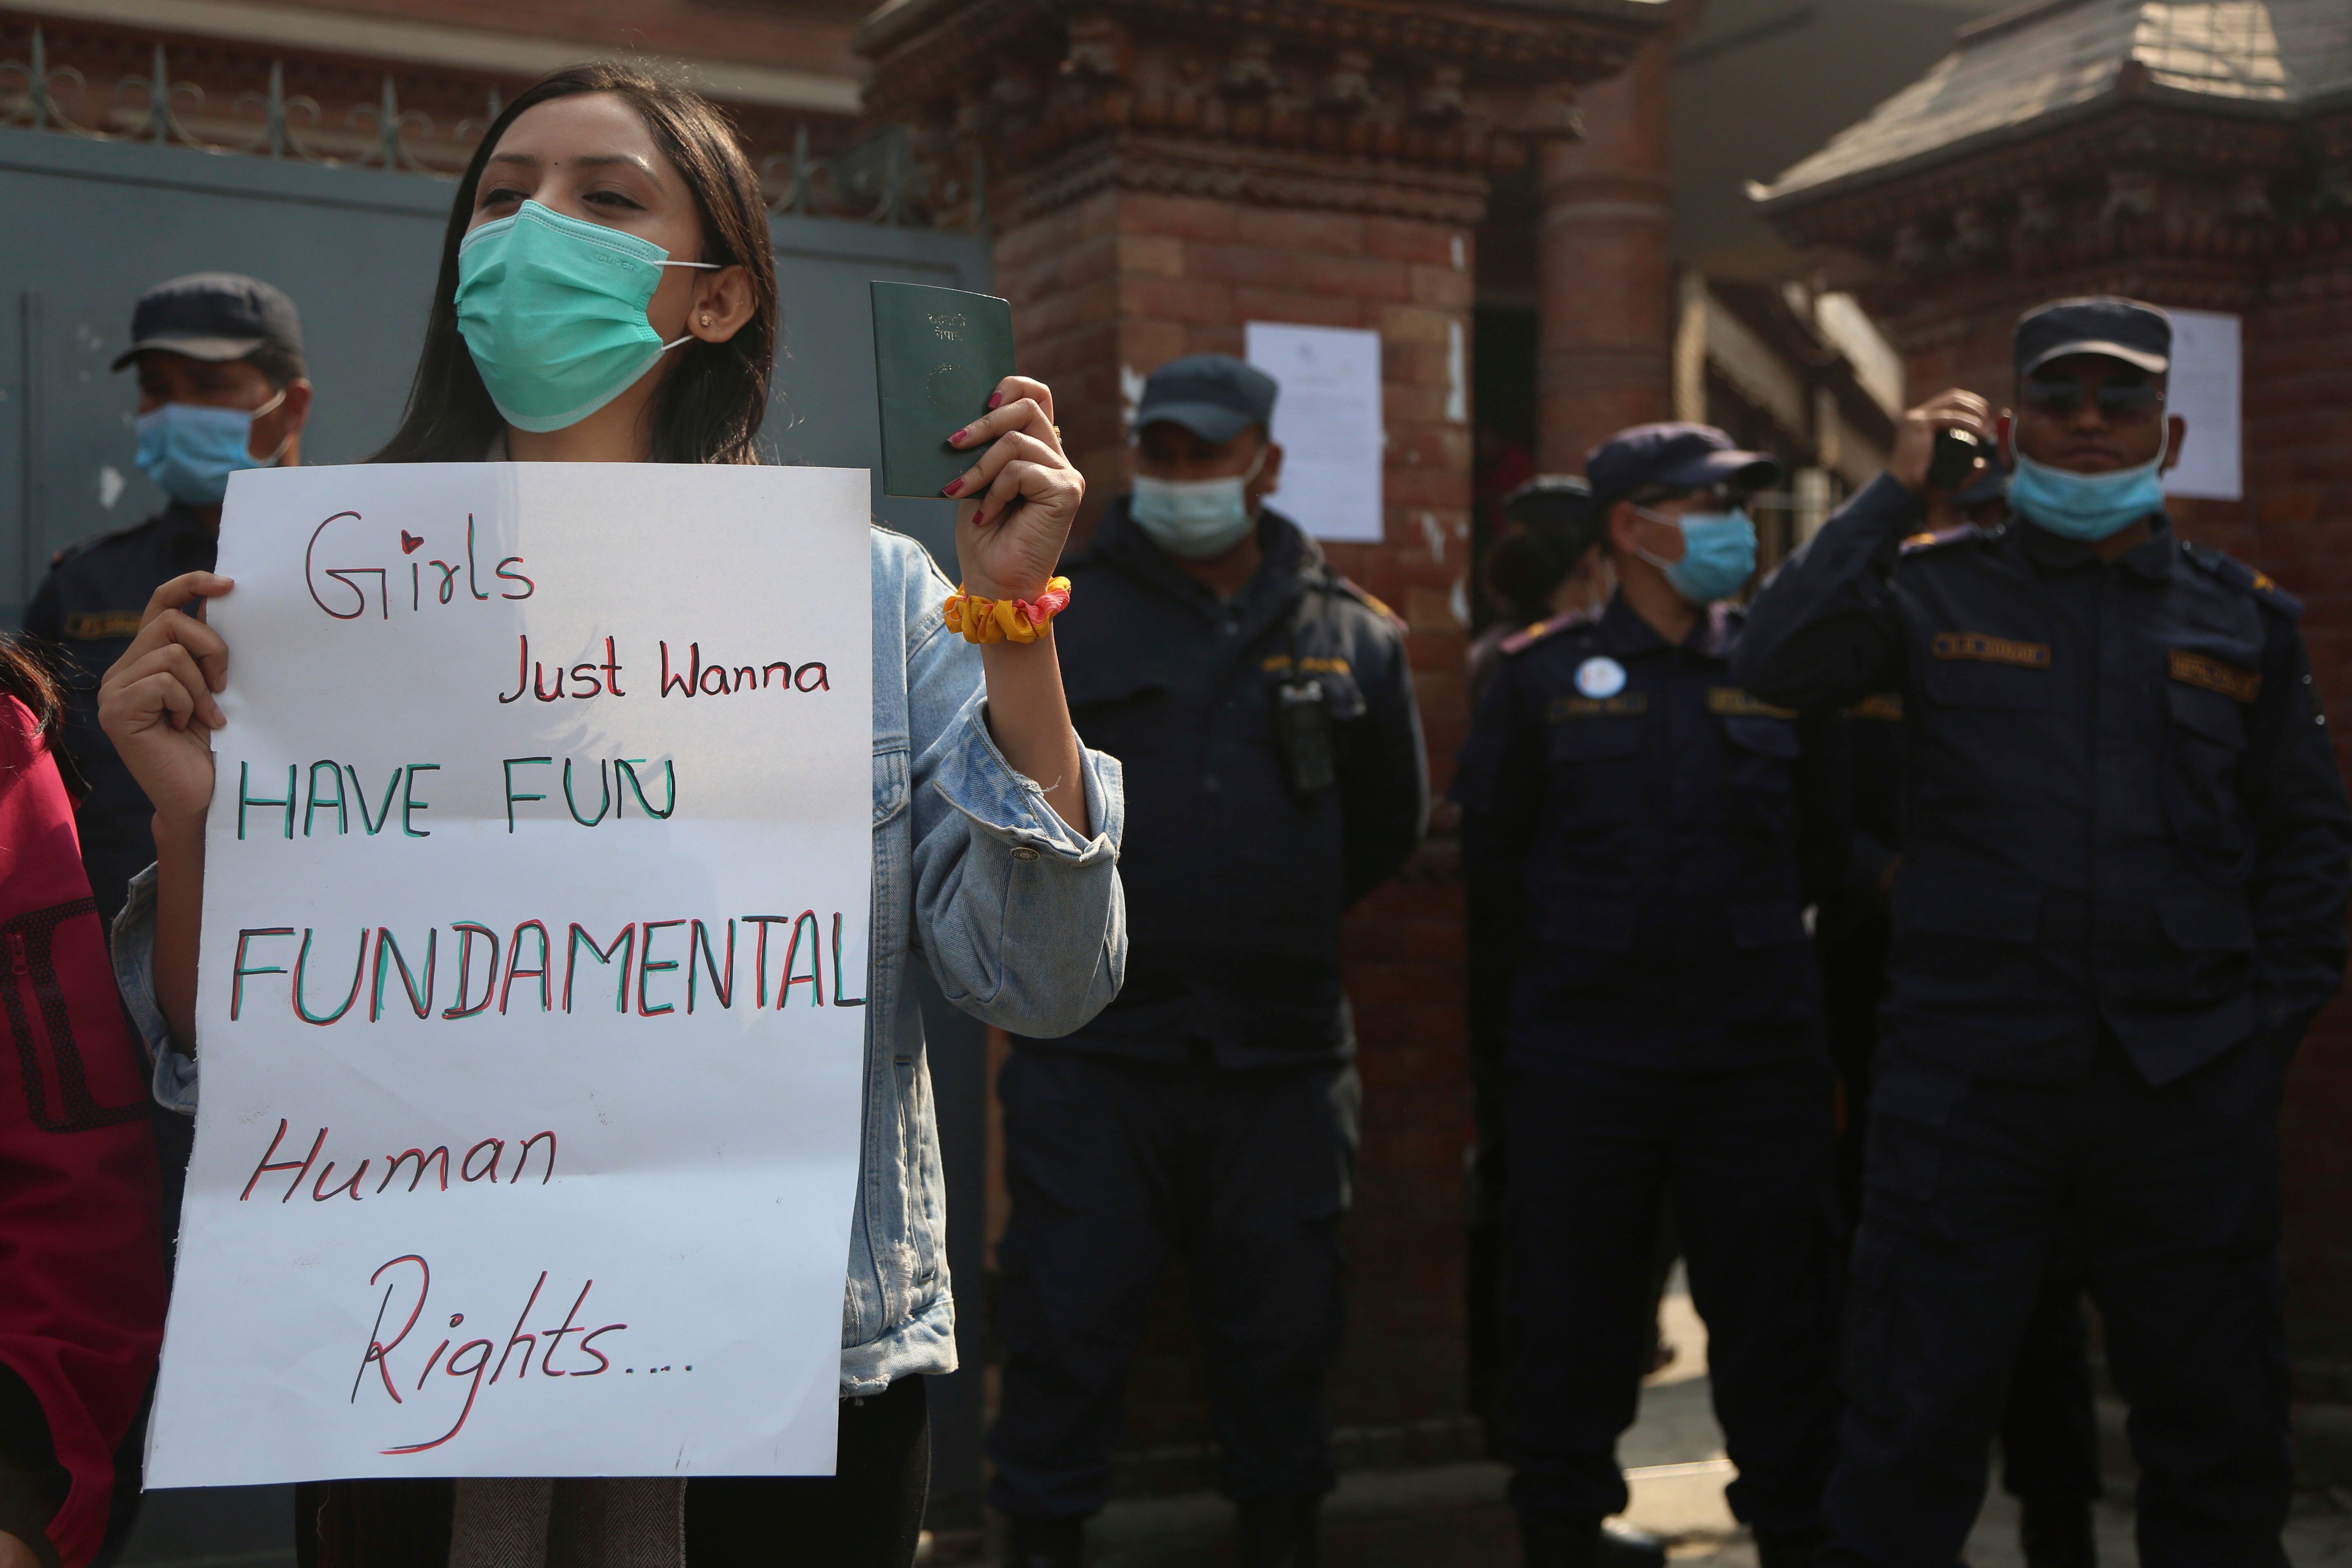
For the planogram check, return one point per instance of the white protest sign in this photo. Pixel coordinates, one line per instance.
(531, 1006)
(1328, 420)
(2204, 388)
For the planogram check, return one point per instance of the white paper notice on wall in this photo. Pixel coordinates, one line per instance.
(530, 1005)
(1328, 420)
(2204, 388)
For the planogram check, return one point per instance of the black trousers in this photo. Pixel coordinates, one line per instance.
(1744, 1157)
(2049, 1427)
(1114, 1167)
(868, 1514)
(2173, 1196)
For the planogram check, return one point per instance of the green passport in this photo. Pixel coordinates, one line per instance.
(937, 356)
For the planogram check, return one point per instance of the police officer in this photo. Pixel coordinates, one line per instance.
(1262, 707)
(222, 387)
(1665, 1045)
(2122, 896)
(1550, 561)
(2049, 1427)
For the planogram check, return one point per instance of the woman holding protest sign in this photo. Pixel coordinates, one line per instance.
(607, 294)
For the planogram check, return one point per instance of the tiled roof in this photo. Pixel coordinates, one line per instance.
(2010, 71)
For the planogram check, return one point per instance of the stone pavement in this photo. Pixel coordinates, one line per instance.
(1447, 1516)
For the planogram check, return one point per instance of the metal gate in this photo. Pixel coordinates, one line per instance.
(358, 250)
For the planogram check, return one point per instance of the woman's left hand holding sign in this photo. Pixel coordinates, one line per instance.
(1021, 497)
(156, 704)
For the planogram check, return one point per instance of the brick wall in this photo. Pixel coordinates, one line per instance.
(1104, 291)
(2298, 527)
(2295, 523)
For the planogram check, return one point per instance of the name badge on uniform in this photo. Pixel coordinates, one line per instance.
(2203, 669)
(101, 625)
(1600, 677)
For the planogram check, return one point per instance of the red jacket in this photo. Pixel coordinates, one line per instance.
(81, 1258)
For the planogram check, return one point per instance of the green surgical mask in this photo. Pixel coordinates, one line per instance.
(553, 310)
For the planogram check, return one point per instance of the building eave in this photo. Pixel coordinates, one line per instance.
(1331, 22)
(1785, 199)
(446, 46)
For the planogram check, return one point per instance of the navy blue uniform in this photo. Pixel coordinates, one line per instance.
(1211, 1109)
(88, 607)
(1664, 1044)
(2049, 1429)
(2127, 857)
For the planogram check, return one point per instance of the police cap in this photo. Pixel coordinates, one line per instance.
(1676, 456)
(2106, 325)
(214, 316)
(1215, 397)
(1551, 499)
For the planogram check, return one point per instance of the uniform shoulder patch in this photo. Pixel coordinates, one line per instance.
(1937, 538)
(1527, 637)
(2238, 574)
(80, 547)
(1363, 598)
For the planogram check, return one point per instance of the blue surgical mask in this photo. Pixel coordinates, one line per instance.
(553, 310)
(1196, 519)
(191, 448)
(1718, 553)
(2087, 507)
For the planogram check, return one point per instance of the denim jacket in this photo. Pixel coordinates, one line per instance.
(1021, 921)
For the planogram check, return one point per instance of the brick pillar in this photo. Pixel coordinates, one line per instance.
(1606, 268)
(1156, 183)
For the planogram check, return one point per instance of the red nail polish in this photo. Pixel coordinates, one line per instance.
(953, 486)
(978, 518)
(958, 437)
(994, 398)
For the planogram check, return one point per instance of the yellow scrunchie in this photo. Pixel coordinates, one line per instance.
(983, 620)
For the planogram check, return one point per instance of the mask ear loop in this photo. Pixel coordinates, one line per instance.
(271, 460)
(705, 266)
(1673, 522)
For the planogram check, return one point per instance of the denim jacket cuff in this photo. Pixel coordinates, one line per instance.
(173, 1077)
(1011, 808)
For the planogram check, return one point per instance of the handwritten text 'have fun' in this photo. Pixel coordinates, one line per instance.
(325, 808)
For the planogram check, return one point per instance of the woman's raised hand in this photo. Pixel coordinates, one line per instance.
(1021, 497)
(156, 704)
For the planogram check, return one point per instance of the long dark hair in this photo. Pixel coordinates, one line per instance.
(28, 675)
(709, 407)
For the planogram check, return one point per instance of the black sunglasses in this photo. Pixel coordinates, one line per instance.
(2116, 398)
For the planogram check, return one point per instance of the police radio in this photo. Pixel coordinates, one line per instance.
(1303, 725)
(1952, 459)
